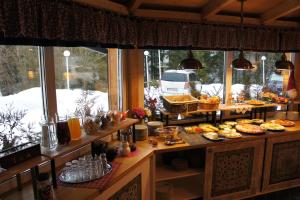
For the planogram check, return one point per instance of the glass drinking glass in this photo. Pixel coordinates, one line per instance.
(74, 126)
(62, 130)
(104, 162)
(68, 171)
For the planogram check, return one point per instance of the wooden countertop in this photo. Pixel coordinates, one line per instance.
(145, 150)
(87, 139)
(128, 163)
(19, 168)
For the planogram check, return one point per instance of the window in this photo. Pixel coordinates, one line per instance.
(81, 76)
(163, 78)
(262, 77)
(20, 95)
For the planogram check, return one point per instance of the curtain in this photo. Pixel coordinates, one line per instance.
(58, 22)
(205, 36)
(65, 23)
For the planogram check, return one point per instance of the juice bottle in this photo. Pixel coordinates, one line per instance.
(74, 126)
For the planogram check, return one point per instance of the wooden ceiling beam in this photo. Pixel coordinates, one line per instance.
(251, 21)
(282, 9)
(194, 17)
(134, 4)
(168, 15)
(213, 7)
(106, 4)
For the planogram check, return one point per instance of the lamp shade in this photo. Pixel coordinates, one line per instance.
(241, 63)
(190, 62)
(284, 64)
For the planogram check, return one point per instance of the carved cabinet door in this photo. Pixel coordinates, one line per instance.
(282, 163)
(233, 171)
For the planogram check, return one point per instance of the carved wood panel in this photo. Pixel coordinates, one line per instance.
(285, 163)
(131, 191)
(232, 171)
(282, 162)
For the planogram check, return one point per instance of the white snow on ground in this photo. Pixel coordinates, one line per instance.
(31, 101)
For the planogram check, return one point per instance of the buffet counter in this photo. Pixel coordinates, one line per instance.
(256, 160)
(260, 144)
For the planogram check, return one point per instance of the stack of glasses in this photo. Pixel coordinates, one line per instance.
(86, 168)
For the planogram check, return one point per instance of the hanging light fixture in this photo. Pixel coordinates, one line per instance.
(241, 63)
(190, 62)
(284, 64)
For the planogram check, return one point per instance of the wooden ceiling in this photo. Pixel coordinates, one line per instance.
(283, 13)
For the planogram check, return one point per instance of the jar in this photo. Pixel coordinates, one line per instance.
(49, 137)
(44, 187)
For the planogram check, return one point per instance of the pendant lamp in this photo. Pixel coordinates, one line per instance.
(284, 64)
(241, 63)
(190, 62)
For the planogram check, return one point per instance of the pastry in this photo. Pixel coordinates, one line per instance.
(283, 122)
(244, 121)
(272, 126)
(249, 128)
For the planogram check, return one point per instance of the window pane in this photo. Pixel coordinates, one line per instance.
(81, 79)
(263, 76)
(20, 95)
(164, 64)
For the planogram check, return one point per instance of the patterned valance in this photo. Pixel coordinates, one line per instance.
(65, 23)
(58, 22)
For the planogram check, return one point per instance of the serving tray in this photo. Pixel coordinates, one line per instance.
(63, 178)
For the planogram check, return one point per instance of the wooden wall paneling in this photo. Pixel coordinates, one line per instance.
(233, 171)
(124, 80)
(135, 78)
(50, 103)
(153, 175)
(228, 78)
(282, 163)
(142, 169)
(297, 73)
(113, 78)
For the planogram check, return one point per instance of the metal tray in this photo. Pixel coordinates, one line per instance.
(62, 178)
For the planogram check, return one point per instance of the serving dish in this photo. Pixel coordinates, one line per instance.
(212, 136)
(63, 178)
(230, 133)
(250, 129)
(272, 127)
(283, 122)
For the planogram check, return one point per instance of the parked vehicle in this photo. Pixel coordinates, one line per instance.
(177, 81)
(276, 83)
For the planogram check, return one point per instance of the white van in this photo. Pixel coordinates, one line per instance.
(177, 81)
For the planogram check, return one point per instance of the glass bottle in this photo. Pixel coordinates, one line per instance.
(49, 138)
(44, 187)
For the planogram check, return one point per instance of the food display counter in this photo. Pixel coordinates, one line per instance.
(238, 168)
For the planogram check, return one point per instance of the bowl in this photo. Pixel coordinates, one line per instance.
(293, 115)
(280, 115)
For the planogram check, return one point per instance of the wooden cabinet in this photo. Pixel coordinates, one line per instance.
(233, 171)
(282, 163)
(136, 184)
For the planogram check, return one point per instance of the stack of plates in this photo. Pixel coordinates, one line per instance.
(141, 132)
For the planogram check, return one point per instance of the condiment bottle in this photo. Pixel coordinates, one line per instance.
(44, 187)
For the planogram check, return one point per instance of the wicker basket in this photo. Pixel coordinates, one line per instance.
(209, 106)
(180, 103)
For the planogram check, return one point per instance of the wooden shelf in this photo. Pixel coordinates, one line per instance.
(165, 173)
(87, 139)
(187, 188)
(23, 166)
